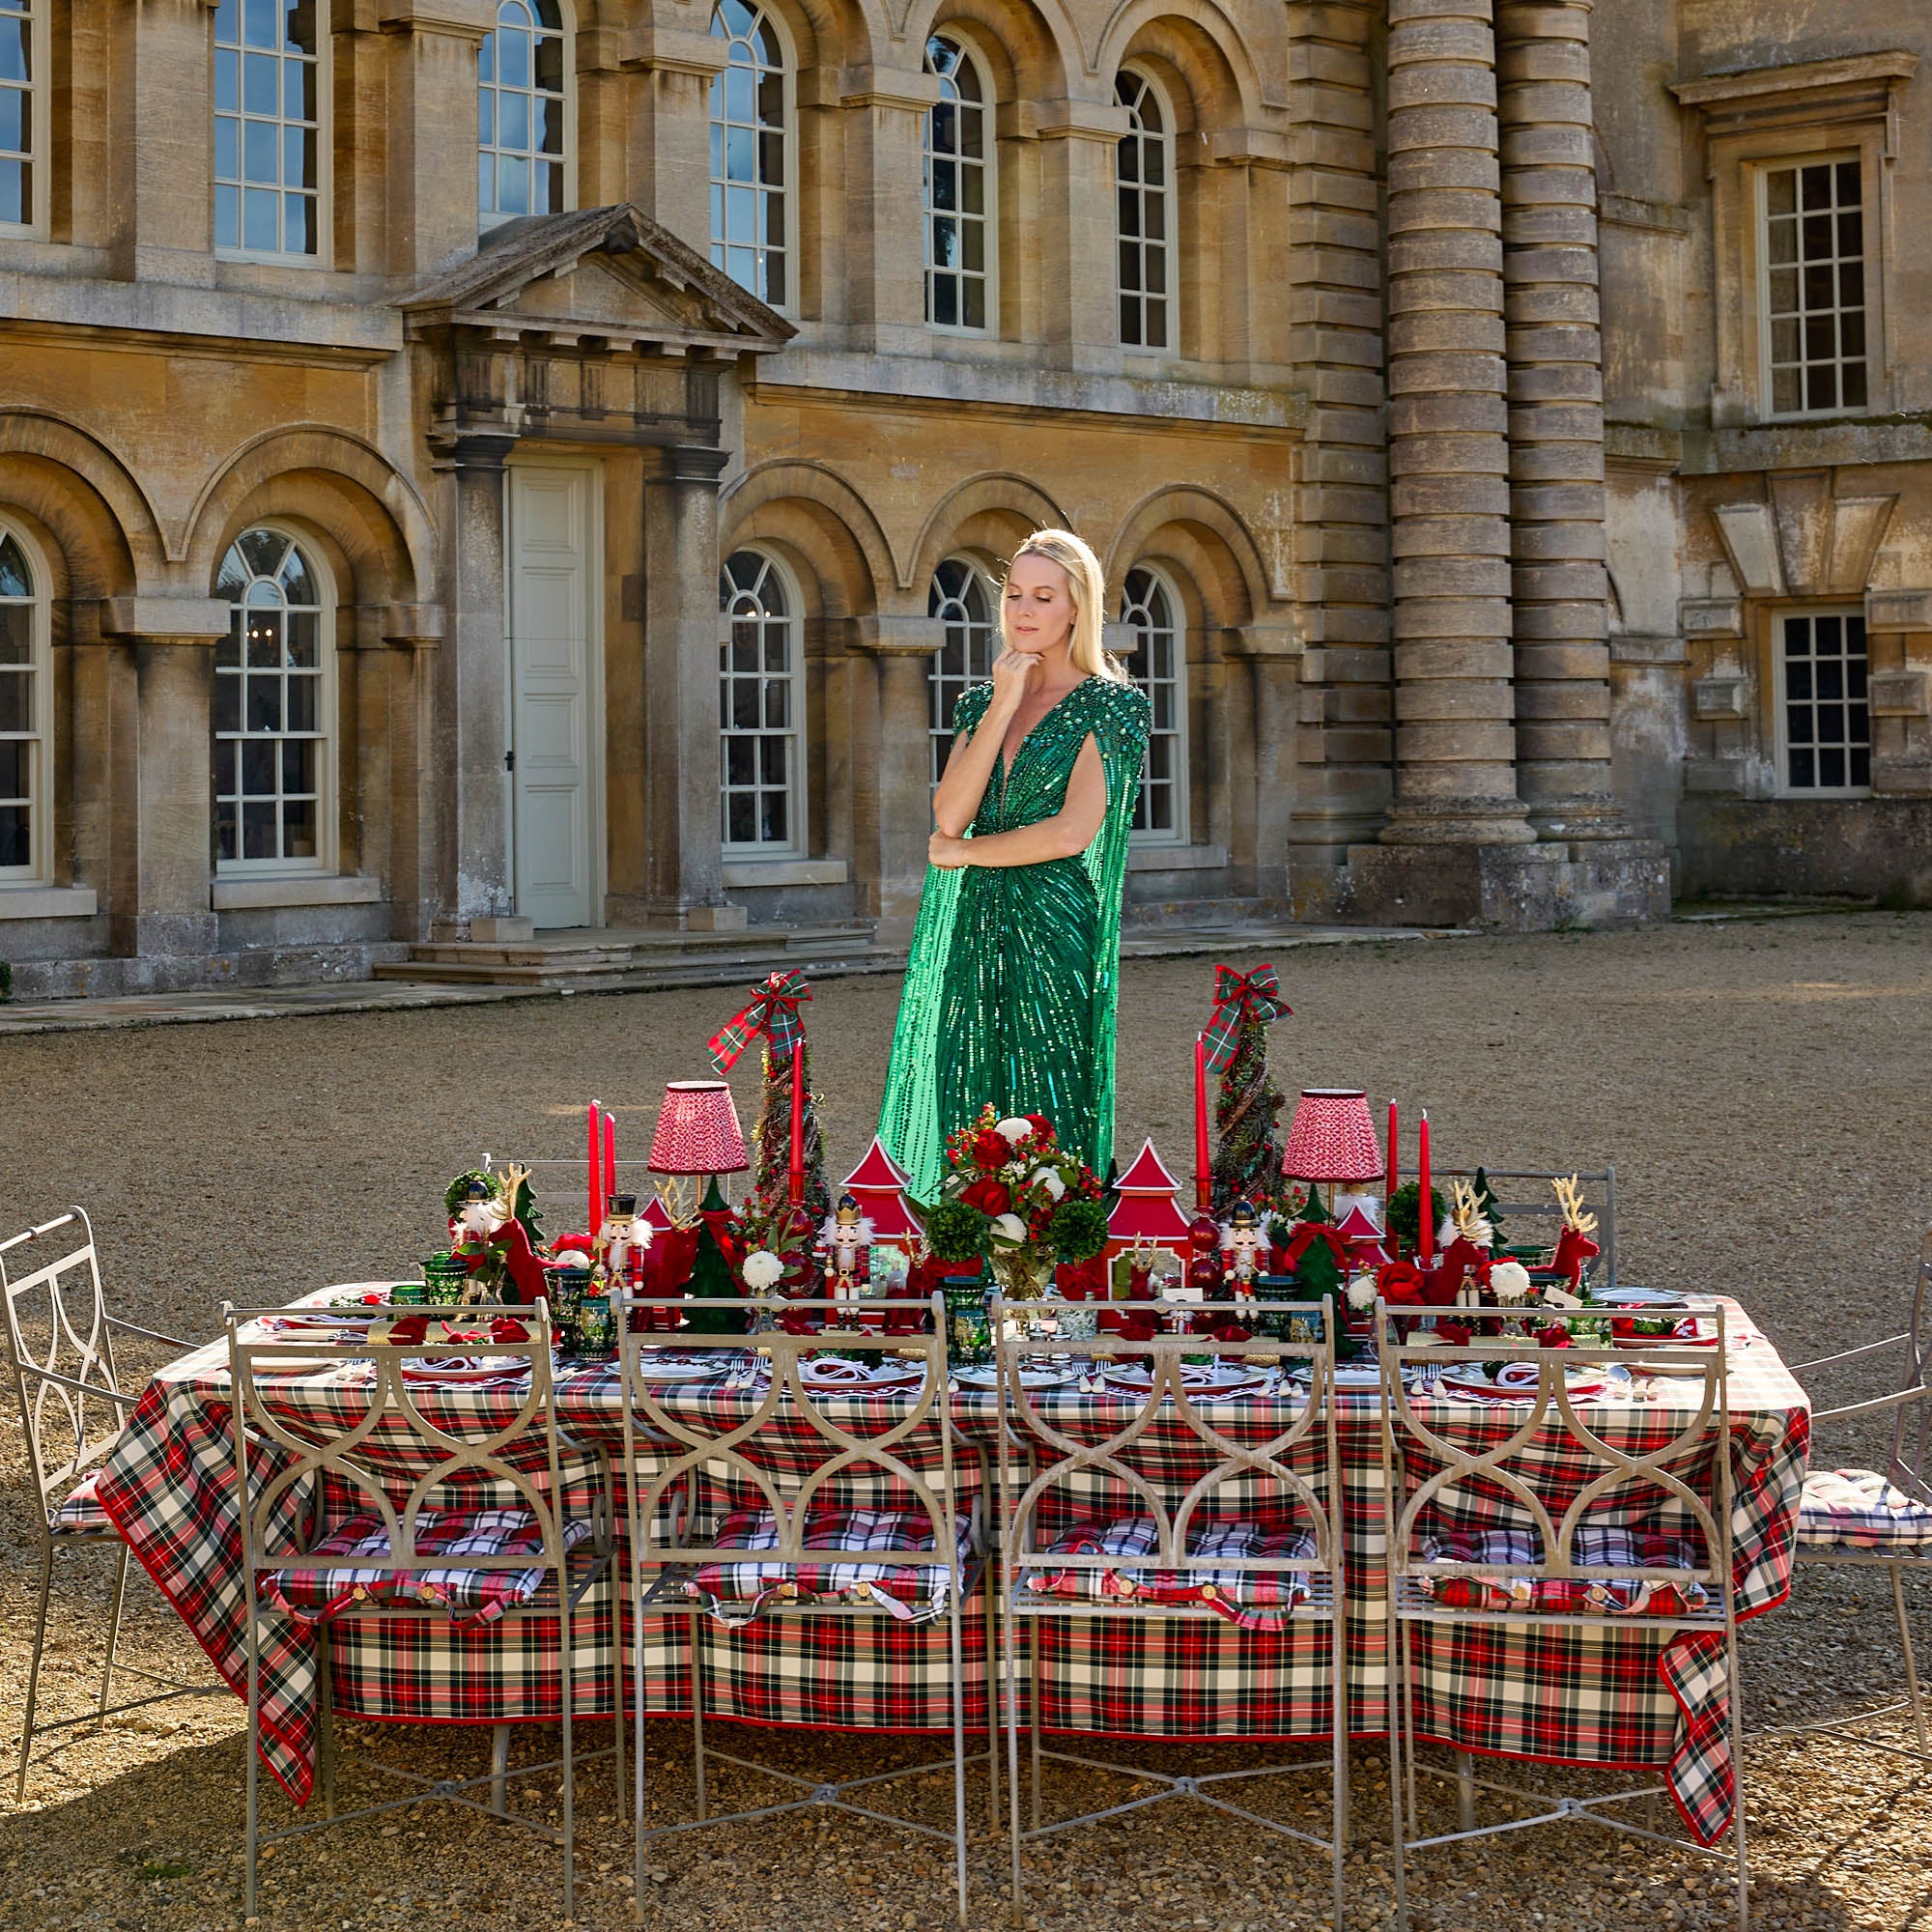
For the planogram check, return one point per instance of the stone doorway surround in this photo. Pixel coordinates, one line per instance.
(599, 334)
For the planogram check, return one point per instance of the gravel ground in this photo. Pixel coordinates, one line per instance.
(1759, 1087)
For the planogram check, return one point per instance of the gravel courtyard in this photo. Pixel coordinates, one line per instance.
(1761, 1087)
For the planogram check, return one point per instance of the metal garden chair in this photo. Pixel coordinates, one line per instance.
(1645, 1542)
(1596, 1192)
(1879, 1518)
(60, 1351)
(379, 1507)
(755, 1517)
(1163, 1515)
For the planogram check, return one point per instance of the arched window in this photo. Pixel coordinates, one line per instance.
(274, 710)
(19, 67)
(962, 599)
(960, 242)
(520, 107)
(760, 709)
(268, 127)
(1158, 665)
(750, 159)
(26, 712)
(1143, 213)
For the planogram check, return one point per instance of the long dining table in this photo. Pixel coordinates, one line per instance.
(1634, 1699)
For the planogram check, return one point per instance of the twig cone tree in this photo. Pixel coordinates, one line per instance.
(1246, 1164)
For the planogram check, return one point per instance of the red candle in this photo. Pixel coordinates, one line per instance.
(797, 1122)
(610, 1158)
(1202, 1179)
(1394, 1168)
(593, 1212)
(1424, 1225)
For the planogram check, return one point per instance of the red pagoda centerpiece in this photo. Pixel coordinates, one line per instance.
(1145, 1212)
(878, 1186)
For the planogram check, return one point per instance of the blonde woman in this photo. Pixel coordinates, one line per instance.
(1009, 992)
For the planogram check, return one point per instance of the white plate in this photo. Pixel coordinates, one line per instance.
(1033, 1378)
(654, 1366)
(1197, 1377)
(1636, 1297)
(465, 1368)
(844, 1373)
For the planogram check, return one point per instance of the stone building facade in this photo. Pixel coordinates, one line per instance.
(471, 462)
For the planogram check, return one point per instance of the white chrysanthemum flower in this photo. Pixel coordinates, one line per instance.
(762, 1270)
(1015, 1129)
(1509, 1281)
(1362, 1291)
(1048, 1179)
(1010, 1228)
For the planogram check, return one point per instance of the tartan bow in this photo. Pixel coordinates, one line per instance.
(1240, 998)
(773, 1012)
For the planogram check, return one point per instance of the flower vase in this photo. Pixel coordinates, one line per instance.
(968, 1334)
(1023, 1273)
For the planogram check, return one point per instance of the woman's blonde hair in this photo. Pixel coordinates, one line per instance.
(1087, 582)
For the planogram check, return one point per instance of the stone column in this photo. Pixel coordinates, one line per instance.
(668, 122)
(432, 213)
(163, 838)
(885, 256)
(895, 771)
(160, 156)
(1448, 432)
(472, 737)
(413, 636)
(683, 857)
(1080, 282)
(1556, 419)
(1273, 657)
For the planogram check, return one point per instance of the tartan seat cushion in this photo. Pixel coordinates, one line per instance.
(1605, 1547)
(910, 1592)
(473, 1597)
(81, 1514)
(1860, 1509)
(1254, 1600)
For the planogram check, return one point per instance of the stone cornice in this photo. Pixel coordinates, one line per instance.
(1758, 83)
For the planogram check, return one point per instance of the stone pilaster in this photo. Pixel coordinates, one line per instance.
(893, 814)
(884, 133)
(684, 865)
(413, 636)
(1080, 283)
(472, 737)
(160, 157)
(669, 124)
(1555, 348)
(163, 813)
(1332, 281)
(1448, 432)
(432, 212)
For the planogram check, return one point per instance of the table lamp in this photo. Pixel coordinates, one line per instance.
(1332, 1138)
(698, 1132)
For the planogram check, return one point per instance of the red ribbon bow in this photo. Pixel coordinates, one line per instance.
(1240, 998)
(773, 1012)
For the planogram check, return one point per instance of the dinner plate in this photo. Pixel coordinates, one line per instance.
(1033, 1378)
(829, 1373)
(335, 1327)
(667, 1366)
(1517, 1381)
(1636, 1297)
(464, 1368)
(1196, 1377)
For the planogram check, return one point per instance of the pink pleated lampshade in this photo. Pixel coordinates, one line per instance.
(698, 1130)
(1332, 1138)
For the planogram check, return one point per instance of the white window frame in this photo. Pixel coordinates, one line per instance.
(1167, 294)
(720, 249)
(326, 857)
(1781, 723)
(40, 646)
(567, 161)
(1178, 833)
(988, 274)
(1762, 171)
(321, 256)
(793, 732)
(943, 688)
(32, 15)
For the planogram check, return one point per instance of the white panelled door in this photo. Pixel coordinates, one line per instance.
(554, 571)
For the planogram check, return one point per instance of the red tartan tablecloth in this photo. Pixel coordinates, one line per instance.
(1581, 1696)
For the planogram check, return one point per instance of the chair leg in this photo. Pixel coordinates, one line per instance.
(1338, 1718)
(500, 1770)
(34, 1668)
(1466, 1792)
(1912, 1690)
(114, 1626)
(324, 1724)
(958, 1660)
(568, 1691)
(1734, 1685)
(1399, 1776)
(1010, 1672)
(1034, 1674)
(698, 1710)
(252, 1772)
(992, 1676)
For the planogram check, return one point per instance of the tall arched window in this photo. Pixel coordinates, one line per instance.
(273, 709)
(26, 712)
(20, 64)
(959, 181)
(1143, 213)
(521, 74)
(267, 126)
(750, 159)
(962, 599)
(1158, 665)
(760, 709)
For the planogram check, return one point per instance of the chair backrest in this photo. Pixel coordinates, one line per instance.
(1547, 1472)
(301, 1463)
(1912, 1421)
(1517, 1200)
(60, 1348)
(687, 1467)
(1170, 1459)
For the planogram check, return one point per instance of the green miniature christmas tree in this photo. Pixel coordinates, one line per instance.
(711, 1276)
(1247, 1104)
(770, 1177)
(1486, 1208)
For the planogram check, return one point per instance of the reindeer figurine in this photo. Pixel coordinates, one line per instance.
(1575, 1249)
(1462, 1271)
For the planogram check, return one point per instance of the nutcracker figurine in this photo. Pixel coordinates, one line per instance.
(1244, 1249)
(618, 1249)
(847, 1238)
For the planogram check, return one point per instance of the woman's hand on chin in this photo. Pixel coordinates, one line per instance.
(949, 854)
(1014, 674)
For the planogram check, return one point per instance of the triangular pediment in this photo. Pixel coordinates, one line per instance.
(611, 272)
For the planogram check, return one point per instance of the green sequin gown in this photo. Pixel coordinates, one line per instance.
(1011, 989)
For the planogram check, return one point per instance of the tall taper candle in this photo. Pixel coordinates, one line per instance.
(1394, 1169)
(610, 1158)
(1424, 1225)
(592, 1173)
(797, 1122)
(1202, 1179)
